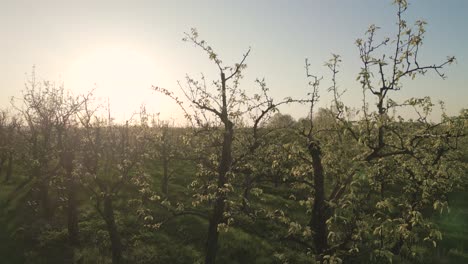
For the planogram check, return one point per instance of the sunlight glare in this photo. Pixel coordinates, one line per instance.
(119, 74)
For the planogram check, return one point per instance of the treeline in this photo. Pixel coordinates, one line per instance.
(240, 183)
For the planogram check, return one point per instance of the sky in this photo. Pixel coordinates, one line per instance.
(119, 49)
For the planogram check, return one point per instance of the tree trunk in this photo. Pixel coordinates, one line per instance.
(276, 180)
(165, 179)
(212, 240)
(72, 214)
(246, 193)
(219, 205)
(38, 172)
(66, 161)
(44, 198)
(319, 218)
(9, 171)
(116, 243)
(72, 204)
(2, 161)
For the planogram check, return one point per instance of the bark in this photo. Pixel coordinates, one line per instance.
(72, 204)
(44, 198)
(165, 159)
(165, 180)
(319, 217)
(72, 214)
(246, 193)
(116, 243)
(276, 180)
(224, 167)
(39, 173)
(2, 161)
(219, 206)
(66, 161)
(9, 170)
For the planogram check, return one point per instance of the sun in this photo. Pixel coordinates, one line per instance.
(121, 74)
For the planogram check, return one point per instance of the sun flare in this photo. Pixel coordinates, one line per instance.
(122, 75)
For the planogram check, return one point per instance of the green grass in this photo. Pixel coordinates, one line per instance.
(182, 239)
(454, 225)
(10, 248)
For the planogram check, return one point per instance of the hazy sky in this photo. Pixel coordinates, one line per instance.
(121, 48)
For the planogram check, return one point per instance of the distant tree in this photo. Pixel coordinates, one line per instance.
(279, 120)
(37, 110)
(9, 125)
(67, 137)
(45, 109)
(49, 111)
(110, 162)
(3, 150)
(167, 145)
